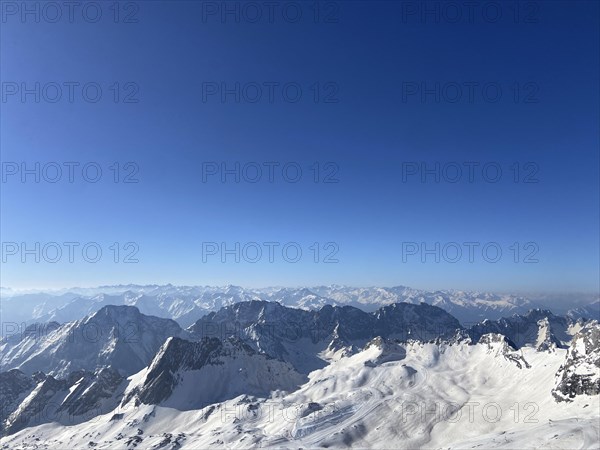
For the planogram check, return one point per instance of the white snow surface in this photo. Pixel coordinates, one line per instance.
(389, 395)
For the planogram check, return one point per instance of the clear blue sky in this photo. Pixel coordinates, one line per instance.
(368, 55)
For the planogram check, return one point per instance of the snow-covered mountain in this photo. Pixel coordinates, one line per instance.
(123, 337)
(118, 336)
(258, 373)
(387, 395)
(307, 339)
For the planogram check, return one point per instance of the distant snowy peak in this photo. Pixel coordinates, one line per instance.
(303, 298)
(466, 306)
(590, 311)
(124, 337)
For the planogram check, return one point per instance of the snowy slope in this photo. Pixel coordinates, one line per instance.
(414, 395)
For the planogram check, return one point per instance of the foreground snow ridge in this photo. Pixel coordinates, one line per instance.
(343, 379)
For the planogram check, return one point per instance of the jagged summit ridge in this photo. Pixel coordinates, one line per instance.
(307, 339)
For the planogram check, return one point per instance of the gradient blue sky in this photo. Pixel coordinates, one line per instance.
(369, 133)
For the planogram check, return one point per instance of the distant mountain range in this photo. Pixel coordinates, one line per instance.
(186, 304)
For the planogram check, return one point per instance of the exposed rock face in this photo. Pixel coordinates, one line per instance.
(14, 384)
(406, 321)
(174, 355)
(34, 406)
(284, 333)
(41, 398)
(547, 339)
(210, 371)
(91, 389)
(538, 328)
(580, 373)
